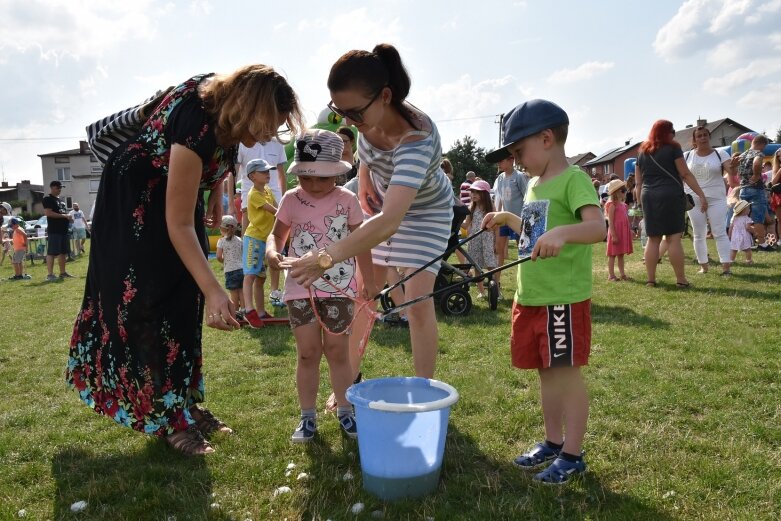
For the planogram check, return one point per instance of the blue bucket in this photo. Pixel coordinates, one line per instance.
(402, 425)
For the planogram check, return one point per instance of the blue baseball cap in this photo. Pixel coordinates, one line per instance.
(14, 220)
(258, 165)
(525, 120)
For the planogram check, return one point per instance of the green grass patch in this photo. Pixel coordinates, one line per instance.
(685, 417)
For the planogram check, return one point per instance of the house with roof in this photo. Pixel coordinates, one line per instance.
(24, 197)
(78, 170)
(612, 161)
(581, 159)
(722, 132)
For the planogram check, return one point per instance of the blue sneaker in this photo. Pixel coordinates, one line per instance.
(539, 455)
(349, 427)
(561, 471)
(305, 431)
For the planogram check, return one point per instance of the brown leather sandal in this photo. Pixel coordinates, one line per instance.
(190, 442)
(208, 423)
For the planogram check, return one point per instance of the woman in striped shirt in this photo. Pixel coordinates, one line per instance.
(402, 188)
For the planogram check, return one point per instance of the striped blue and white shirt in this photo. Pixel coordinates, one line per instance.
(425, 229)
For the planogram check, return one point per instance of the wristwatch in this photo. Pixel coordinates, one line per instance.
(324, 259)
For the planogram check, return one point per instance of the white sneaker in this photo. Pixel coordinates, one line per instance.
(276, 295)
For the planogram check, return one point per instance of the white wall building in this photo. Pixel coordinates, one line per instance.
(79, 172)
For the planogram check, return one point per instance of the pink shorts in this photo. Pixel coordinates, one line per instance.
(551, 336)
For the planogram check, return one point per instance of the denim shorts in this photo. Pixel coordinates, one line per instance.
(506, 231)
(254, 252)
(234, 279)
(758, 199)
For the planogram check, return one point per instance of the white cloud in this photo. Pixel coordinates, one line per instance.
(449, 25)
(78, 28)
(357, 29)
(729, 53)
(464, 97)
(201, 8)
(757, 69)
(582, 72)
(775, 40)
(467, 107)
(767, 97)
(702, 25)
(729, 15)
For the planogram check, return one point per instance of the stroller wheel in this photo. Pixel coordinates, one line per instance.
(493, 295)
(456, 302)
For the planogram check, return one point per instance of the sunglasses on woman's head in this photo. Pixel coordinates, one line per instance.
(354, 114)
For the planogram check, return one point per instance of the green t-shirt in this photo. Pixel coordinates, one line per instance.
(566, 278)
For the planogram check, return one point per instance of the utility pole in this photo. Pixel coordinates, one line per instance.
(501, 126)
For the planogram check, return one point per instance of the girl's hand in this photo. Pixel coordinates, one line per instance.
(703, 205)
(274, 258)
(614, 240)
(304, 270)
(368, 198)
(219, 312)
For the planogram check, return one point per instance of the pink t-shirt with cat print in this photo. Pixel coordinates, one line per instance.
(314, 224)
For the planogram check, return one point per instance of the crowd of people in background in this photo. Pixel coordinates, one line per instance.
(64, 236)
(716, 182)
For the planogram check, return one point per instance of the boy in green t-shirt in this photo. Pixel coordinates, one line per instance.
(551, 316)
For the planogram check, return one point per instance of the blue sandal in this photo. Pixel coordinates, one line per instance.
(539, 455)
(561, 471)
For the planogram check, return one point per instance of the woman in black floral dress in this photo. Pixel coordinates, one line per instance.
(135, 353)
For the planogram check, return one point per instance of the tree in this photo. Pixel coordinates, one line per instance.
(778, 135)
(465, 156)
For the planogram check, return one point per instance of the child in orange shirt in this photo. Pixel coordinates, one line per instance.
(20, 250)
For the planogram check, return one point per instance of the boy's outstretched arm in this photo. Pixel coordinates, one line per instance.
(495, 219)
(590, 230)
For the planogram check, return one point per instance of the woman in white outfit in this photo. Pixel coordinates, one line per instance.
(710, 167)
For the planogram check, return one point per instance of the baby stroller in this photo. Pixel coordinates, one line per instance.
(457, 300)
(451, 287)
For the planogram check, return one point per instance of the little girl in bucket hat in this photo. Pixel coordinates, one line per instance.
(315, 215)
(741, 238)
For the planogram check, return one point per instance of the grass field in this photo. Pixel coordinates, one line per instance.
(685, 415)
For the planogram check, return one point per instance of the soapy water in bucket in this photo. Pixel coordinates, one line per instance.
(401, 435)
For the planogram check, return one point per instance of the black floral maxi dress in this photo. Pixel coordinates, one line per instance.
(135, 353)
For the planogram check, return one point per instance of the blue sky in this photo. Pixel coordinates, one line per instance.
(614, 66)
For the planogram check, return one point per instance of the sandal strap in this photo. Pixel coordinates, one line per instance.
(189, 442)
(538, 455)
(205, 421)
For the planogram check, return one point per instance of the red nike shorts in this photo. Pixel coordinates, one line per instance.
(551, 336)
